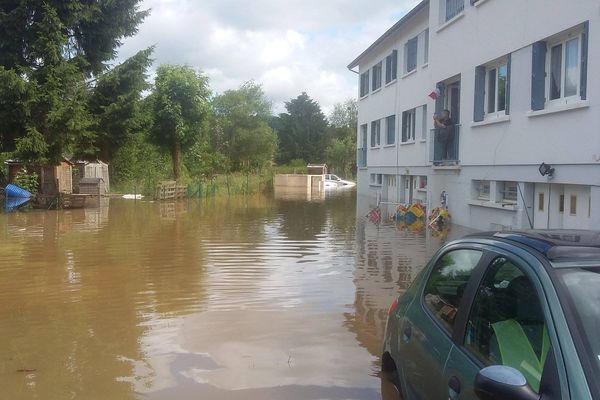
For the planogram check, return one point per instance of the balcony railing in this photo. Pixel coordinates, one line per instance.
(444, 145)
(361, 158)
(453, 8)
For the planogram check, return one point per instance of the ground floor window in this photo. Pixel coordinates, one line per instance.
(376, 179)
(482, 189)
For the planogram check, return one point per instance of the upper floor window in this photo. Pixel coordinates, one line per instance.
(564, 69)
(496, 80)
(409, 125)
(559, 68)
(363, 136)
(364, 84)
(391, 67)
(376, 84)
(492, 89)
(376, 133)
(410, 55)
(453, 8)
(390, 127)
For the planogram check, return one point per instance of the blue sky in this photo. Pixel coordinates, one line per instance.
(286, 46)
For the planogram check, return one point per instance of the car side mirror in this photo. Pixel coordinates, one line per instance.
(502, 382)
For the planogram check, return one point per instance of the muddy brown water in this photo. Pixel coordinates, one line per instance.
(243, 298)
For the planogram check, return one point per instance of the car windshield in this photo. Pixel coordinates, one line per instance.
(583, 288)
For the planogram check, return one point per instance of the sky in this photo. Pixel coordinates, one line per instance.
(287, 46)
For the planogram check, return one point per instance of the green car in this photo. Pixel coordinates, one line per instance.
(510, 315)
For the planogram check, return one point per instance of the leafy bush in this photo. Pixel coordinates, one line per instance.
(27, 180)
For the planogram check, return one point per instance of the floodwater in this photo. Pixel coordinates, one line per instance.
(243, 298)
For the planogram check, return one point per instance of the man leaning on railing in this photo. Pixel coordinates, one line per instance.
(445, 135)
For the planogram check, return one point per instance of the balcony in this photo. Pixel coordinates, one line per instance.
(361, 158)
(453, 8)
(444, 145)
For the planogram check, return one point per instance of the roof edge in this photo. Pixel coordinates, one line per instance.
(389, 32)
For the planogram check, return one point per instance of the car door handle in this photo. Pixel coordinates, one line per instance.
(407, 333)
(453, 388)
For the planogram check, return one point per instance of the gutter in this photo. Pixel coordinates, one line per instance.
(422, 5)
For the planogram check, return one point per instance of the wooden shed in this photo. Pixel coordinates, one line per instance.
(316, 169)
(93, 169)
(93, 186)
(52, 179)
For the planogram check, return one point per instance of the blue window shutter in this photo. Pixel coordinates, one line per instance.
(584, 60)
(439, 102)
(394, 64)
(508, 76)
(479, 102)
(538, 76)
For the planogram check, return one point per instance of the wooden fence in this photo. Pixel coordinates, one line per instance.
(170, 190)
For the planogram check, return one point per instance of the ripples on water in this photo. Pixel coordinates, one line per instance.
(248, 298)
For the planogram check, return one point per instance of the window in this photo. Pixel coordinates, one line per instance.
(391, 67)
(453, 8)
(376, 179)
(408, 125)
(376, 76)
(390, 126)
(506, 325)
(363, 135)
(560, 68)
(496, 88)
(564, 57)
(410, 55)
(482, 189)
(564, 69)
(573, 205)
(423, 182)
(541, 201)
(492, 91)
(447, 282)
(364, 84)
(509, 192)
(376, 133)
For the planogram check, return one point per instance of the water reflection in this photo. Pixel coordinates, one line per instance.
(248, 298)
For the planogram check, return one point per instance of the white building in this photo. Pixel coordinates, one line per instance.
(522, 82)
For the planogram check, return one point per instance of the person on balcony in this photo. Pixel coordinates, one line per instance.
(445, 129)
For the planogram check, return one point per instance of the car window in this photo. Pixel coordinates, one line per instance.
(447, 283)
(506, 324)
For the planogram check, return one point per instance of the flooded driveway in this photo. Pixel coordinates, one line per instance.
(246, 298)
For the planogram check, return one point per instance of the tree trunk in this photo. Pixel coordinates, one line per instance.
(177, 159)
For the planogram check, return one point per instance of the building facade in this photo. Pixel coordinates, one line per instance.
(521, 80)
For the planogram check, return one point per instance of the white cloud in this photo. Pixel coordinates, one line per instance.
(287, 46)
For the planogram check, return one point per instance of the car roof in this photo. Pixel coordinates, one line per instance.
(558, 246)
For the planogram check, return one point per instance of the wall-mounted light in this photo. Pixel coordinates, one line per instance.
(546, 170)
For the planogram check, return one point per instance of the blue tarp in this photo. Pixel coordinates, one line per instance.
(15, 191)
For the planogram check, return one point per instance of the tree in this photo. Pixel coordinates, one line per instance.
(302, 131)
(50, 51)
(341, 151)
(115, 104)
(242, 116)
(180, 108)
(344, 115)
(341, 155)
